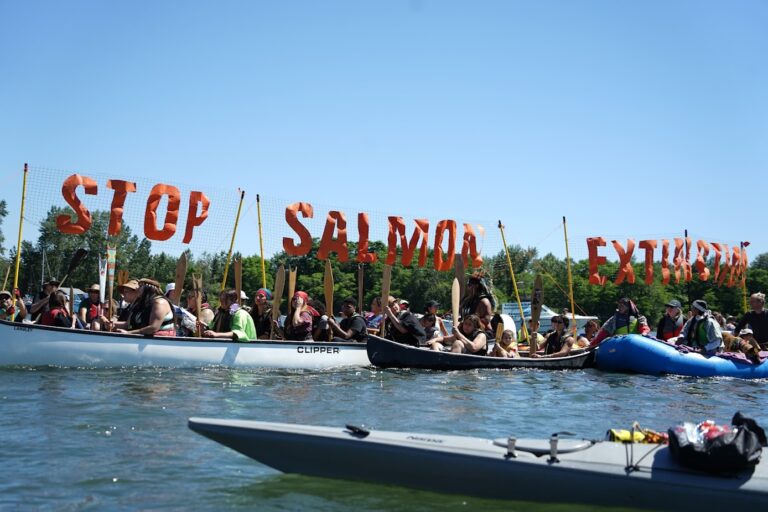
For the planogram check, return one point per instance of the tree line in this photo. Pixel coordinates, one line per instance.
(49, 256)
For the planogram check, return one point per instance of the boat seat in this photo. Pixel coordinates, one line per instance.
(540, 447)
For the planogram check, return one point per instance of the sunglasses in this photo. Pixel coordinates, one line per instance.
(557, 321)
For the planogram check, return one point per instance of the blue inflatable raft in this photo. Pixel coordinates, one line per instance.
(641, 354)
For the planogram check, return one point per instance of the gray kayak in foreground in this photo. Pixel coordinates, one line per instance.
(572, 471)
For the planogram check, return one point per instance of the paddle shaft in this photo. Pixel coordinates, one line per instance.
(279, 288)
(514, 281)
(386, 281)
(328, 285)
(291, 288)
(570, 278)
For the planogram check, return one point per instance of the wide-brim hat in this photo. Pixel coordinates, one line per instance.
(5, 292)
(52, 282)
(94, 288)
(129, 285)
(152, 282)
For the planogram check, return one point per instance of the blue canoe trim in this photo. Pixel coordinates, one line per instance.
(640, 354)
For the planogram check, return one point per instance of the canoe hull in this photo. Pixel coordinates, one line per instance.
(639, 354)
(389, 354)
(32, 345)
(472, 466)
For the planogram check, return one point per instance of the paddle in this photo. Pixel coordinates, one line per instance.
(386, 281)
(328, 287)
(181, 274)
(122, 277)
(239, 279)
(455, 301)
(279, 287)
(73, 263)
(197, 285)
(460, 271)
(7, 273)
(360, 285)
(291, 288)
(536, 303)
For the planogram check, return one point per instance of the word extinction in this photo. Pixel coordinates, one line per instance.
(336, 224)
(83, 219)
(728, 265)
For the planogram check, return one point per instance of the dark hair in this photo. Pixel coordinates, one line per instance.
(319, 306)
(592, 323)
(563, 318)
(232, 296)
(474, 319)
(430, 317)
(57, 299)
(350, 300)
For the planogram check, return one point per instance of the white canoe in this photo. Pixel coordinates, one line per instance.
(585, 472)
(35, 345)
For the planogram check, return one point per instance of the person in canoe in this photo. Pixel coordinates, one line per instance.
(507, 347)
(558, 342)
(375, 316)
(40, 305)
(626, 320)
(12, 310)
(702, 331)
(533, 330)
(468, 338)
(671, 324)
(757, 320)
(130, 292)
(590, 331)
(479, 300)
(91, 309)
(429, 322)
(56, 314)
(298, 326)
(261, 312)
(152, 314)
(352, 326)
(430, 308)
(403, 326)
(231, 321)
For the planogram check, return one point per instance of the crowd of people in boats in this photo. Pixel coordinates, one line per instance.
(145, 309)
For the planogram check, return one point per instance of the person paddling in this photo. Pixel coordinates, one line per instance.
(626, 320)
(702, 331)
(559, 342)
(671, 324)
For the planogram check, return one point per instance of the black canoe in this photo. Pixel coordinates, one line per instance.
(389, 354)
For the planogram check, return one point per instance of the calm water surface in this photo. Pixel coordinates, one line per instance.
(74, 439)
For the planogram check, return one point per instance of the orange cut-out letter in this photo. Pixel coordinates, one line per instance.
(305, 239)
(335, 221)
(469, 248)
(596, 260)
(171, 217)
(121, 188)
(718, 257)
(665, 262)
(193, 218)
(69, 192)
(397, 230)
(363, 226)
(726, 267)
(649, 246)
(735, 273)
(678, 258)
(702, 253)
(441, 264)
(626, 271)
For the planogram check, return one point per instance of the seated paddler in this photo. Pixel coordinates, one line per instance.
(12, 309)
(506, 347)
(231, 321)
(468, 338)
(559, 341)
(626, 320)
(702, 331)
(352, 327)
(151, 313)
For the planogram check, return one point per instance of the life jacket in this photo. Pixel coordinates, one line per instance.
(93, 310)
(629, 328)
(49, 317)
(484, 349)
(555, 342)
(697, 334)
(9, 314)
(670, 328)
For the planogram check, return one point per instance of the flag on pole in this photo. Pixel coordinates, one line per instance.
(102, 278)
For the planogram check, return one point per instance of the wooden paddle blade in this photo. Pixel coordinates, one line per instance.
(122, 277)
(328, 289)
(537, 301)
(455, 302)
(277, 298)
(197, 285)
(360, 286)
(499, 332)
(239, 279)
(460, 273)
(291, 288)
(181, 274)
(386, 281)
